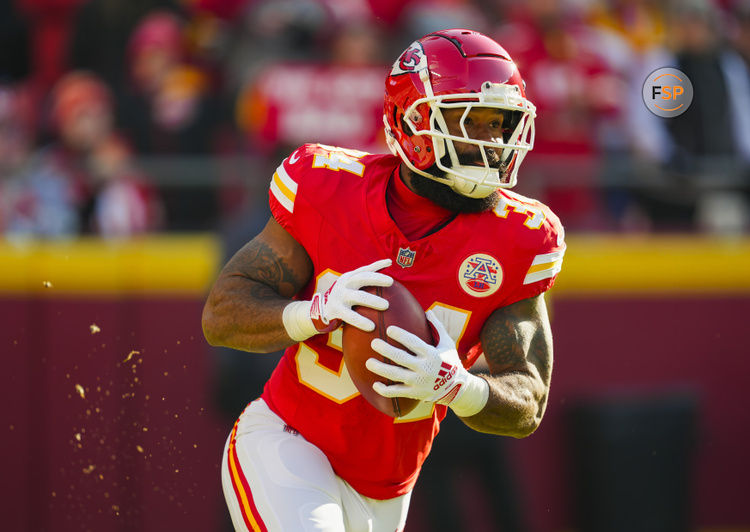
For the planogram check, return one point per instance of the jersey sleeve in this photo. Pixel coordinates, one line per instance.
(297, 198)
(284, 190)
(307, 186)
(539, 258)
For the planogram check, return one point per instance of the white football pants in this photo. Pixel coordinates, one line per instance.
(274, 480)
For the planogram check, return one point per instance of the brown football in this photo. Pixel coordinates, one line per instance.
(404, 311)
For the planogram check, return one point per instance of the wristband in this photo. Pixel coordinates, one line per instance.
(297, 322)
(471, 399)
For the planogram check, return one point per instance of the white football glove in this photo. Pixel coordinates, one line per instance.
(326, 311)
(428, 373)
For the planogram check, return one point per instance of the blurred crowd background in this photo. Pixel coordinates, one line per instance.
(123, 117)
(167, 118)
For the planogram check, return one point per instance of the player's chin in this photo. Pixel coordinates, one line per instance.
(442, 195)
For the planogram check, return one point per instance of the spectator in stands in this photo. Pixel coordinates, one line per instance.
(639, 22)
(736, 67)
(126, 203)
(168, 109)
(63, 189)
(695, 165)
(269, 32)
(628, 34)
(100, 34)
(16, 144)
(337, 102)
(577, 92)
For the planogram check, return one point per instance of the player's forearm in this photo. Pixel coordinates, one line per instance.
(515, 407)
(247, 315)
(517, 343)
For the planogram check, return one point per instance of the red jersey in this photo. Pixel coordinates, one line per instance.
(333, 202)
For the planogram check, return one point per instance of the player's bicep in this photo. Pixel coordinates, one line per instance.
(273, 258)
(518, 338)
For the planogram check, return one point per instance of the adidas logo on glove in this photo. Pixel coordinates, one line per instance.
(446, 373)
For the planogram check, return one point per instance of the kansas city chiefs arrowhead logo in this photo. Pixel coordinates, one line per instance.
(412, 60)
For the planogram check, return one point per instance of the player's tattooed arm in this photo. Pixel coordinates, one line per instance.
(245, 305)
(517, 344)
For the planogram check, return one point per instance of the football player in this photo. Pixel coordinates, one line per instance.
(437, 215)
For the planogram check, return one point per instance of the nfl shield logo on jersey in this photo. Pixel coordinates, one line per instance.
(405, 257)
(480, 275)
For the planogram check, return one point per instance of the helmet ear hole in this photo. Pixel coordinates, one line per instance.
(404, 126)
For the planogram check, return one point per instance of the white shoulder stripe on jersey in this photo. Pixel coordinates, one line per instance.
(543, 274)
(287, 203)
(290, 183)
(544, 266)
(548, 257)
(284, 188)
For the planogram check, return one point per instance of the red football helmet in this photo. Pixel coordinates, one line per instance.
(457, 69)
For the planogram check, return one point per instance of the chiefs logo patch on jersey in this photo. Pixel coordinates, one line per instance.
(480, 275)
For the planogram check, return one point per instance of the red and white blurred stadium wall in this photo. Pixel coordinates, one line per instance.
(109, 419)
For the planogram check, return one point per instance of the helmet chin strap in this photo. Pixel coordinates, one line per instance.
(466, 188)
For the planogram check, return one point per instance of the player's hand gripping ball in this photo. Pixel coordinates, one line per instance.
(404, 311)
